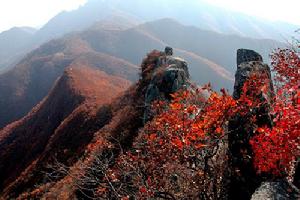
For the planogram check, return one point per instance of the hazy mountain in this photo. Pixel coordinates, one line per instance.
(132, 12)
(30, 81)
(218, 48)
(13, 44)
(205, 16)
(208, 53)
(211, 58)
(192, 12)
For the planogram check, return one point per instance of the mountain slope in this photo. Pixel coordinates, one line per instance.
(197, 13)
(13, 43)
(71, 103)
(30, 81)
(117, 51)
(118, 14)
(216, 47)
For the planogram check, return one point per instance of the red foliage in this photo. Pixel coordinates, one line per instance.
(190, 125)
(278, 147)
(182, 129)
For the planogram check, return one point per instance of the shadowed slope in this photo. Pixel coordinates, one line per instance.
(30, 81)
(46, 129)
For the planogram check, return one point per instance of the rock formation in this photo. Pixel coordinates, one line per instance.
(277, 190)
(93, 134)
(244, 178)
(170, 74)
(249, 62)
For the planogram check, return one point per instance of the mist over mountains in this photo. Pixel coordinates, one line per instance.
(123, 33)
(211, 58)
(133, 12)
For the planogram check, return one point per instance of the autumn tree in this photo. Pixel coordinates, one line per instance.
(183, 151)
(277, 148)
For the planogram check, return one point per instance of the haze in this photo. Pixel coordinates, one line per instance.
(36, 13)
(278, 10)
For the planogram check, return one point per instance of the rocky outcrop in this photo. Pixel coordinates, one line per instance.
(249, 62)
(247, 55)
(244, 179)
(279, 190)
(170, 74)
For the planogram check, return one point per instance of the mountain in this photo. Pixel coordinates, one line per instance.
(60, 124)
(30, 81)
(218, 48)
(13, 43)
(76, 118)
(197, 13)
(116, 14)
(118, 52)
(91, 138)
(210, 54)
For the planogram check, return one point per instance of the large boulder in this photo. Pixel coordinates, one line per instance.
(277, 190)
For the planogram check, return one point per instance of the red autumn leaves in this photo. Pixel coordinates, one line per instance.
(163, 158)
(277, 148)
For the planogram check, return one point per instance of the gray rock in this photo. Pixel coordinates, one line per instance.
(246, 55)
(243, 73)
(250, 62)
(170, 75)
(279, 190)
(169, 51)
(244, 179)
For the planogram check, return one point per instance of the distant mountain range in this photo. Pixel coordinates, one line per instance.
(14, 43)
(210, 55)
(132, 12)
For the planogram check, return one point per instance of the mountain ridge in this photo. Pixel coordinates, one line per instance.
(125, 15)
(76, 96)
(211, 57)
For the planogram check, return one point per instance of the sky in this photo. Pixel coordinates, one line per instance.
(35, 13)
(275, 10)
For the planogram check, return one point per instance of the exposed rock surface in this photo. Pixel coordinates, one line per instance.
(247, 55)
(279, 190)
(248, 63)
(170, 75)
(244, 179)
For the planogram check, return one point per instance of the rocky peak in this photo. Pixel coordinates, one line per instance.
(169, 75)
(250, 62)
(245, 180)
(247, 55)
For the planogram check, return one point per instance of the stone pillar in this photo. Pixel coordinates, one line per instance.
(244, 179)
